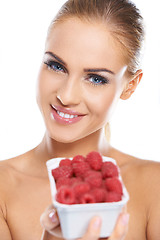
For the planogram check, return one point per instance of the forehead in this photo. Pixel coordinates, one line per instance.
(92, 43)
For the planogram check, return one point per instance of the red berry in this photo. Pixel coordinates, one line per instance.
(95, 160)
(87, 180)
(78, 159)
(62, 181)
(99, 194)
(114, 184)
(113, 197)
(75, 180)
(65, 162)
(65, 195)
(81, 188)
(64, 171)
(95, 182)
(109, 169)
(92, 173)
(87, 198)
(80, 168)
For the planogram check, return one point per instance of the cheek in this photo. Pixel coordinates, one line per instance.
(43, 87)
(103, 103)
(46, 85)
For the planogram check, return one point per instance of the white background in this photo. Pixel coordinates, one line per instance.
(135, 126)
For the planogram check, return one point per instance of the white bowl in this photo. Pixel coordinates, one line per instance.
(74, 219)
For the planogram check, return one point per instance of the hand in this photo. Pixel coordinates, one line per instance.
(49, 221)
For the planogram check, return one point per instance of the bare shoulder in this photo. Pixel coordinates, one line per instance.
(9, 169)
(7, 166)
(5, 171)
(11, 175)
(142, 178)
(6, 184)
(133, 166)
(139, 174)
(147, 174)
(146, 170)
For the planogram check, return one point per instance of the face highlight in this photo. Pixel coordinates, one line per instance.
(80, 81)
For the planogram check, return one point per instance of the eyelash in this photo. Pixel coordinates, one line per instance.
(102, 80)
(52, 64)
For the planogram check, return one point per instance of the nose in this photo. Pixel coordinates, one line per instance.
(69, 93)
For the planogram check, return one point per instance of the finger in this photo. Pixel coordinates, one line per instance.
(49, 219)
(93, 230)
(47, 236)
(121, 227)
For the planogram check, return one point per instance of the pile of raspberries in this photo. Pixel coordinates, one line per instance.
(87, 180)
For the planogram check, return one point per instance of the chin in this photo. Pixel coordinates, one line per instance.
(63, 139)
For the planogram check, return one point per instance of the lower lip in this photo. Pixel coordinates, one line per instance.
(62, 120)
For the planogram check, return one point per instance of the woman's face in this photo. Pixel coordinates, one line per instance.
(80, 81)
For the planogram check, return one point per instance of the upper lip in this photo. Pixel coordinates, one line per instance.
(66, 110)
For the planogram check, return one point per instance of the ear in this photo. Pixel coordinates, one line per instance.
(131, 85)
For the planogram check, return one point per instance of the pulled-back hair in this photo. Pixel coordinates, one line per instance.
(121, 17)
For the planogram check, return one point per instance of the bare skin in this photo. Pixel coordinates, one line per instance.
(24, 184)
(25, 193)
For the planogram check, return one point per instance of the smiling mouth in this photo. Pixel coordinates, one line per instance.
(65, 116)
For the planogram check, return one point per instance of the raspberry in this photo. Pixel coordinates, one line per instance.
(114, 184)
(94, 181)
(65, 195)
(62, 181)
(81, 188)
(92, 173)
(65, 162)
(64, 171)
(99, 194)
(95, 160)
(109, 169)
(87, 198)
(75, 180)
(78, 159)
(87, 180)
(113, 197)
(79, 168)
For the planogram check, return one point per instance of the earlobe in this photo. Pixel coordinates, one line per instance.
(132, 85)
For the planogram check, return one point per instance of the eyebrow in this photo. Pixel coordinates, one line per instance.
(56, 57)
(99, 70)
(85, 70)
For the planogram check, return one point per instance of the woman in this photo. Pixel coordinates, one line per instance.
(91, 60)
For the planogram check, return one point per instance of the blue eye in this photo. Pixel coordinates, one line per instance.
(55, 66)
(97, 79)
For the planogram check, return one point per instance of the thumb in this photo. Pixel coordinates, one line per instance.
(49, 219)
(121, 227)
(93, 230)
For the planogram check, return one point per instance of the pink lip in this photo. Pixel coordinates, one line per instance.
(67, 111)
(63, 120)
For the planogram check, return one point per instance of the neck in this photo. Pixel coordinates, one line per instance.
(49, 148)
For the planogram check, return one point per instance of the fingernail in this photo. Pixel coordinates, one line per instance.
(97, 223)
(52, 216)
(125, 219)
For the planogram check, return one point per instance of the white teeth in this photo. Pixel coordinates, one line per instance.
(65, 115)
(61, 114)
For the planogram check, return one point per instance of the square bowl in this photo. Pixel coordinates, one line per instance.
(74, 219)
